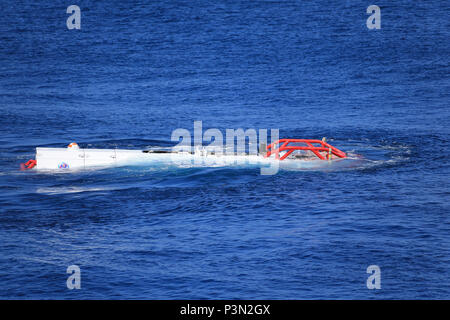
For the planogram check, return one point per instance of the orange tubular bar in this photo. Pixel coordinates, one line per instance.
(283, 145)
(30, 164)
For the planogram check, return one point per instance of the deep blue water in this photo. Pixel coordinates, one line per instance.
(139, 69)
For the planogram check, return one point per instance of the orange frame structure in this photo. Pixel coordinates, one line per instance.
(309, 144)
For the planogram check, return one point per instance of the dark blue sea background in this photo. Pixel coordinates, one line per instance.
(137, 70)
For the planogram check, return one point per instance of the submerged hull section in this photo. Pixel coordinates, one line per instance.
(66, 159)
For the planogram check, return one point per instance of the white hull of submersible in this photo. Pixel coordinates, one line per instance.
(280, 152)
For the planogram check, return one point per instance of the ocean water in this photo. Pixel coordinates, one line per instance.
(137, 70)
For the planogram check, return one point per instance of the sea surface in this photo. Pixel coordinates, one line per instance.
(137, 70)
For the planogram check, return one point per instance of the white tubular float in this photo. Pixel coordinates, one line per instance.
(73, 157)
